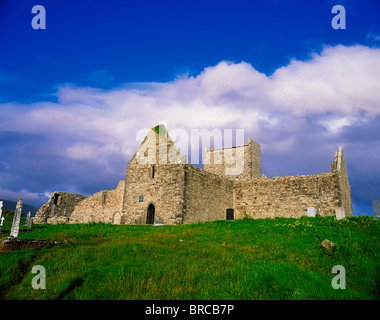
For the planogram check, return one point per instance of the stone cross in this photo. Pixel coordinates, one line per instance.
(30, 223)
(1, 222)
(1, 212)
(27, 218)
(16, 219)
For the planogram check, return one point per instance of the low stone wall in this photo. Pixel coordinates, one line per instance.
(287, 196)
(103, 206)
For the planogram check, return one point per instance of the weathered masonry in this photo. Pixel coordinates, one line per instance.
(161, 186)
(376, 207)
(60, 206)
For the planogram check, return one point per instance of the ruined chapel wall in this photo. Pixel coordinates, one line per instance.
(207, 196)
(100, 207)
(164, 191)
(287, 196)
(63, 209)
(339, 168)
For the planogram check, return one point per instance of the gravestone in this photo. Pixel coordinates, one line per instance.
(339, 213)
(376, 208)
(1, 212)
(27, 218)
(16, 219)
(30, 223)
(159, 223)
(44, 217)
(1, 222)
(311, 212)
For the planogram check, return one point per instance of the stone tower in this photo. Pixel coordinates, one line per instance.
(236, 163)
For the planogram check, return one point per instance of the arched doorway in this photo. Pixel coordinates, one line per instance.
(150, 214)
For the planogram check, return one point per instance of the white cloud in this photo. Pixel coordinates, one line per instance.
(24, 194)
(82, 151)
(343, 81)
(335, 124)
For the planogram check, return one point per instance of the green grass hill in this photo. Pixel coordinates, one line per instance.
(245, 259)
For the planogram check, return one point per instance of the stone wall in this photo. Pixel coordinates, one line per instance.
(154, 177)
(236, 163)
(376, 207)
(206, 195)
(287, 196)
(157, 148)
(103, 206)
(339, 168)
(63, 203)
(164, 191)
(160, 185)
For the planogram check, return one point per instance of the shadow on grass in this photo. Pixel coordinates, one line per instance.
(76, 283)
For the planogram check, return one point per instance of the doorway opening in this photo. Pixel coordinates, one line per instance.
(230, 214)
(150, 214)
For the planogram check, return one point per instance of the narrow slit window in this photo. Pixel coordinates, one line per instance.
(153, 170)
(104, 198)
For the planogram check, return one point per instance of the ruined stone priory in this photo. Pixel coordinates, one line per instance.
(161, 186)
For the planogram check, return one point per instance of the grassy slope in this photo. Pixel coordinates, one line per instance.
(247, 259)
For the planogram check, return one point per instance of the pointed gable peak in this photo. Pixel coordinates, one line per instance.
(160, 129)
(158, 148)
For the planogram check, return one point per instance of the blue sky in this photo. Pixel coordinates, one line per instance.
(73, 96)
